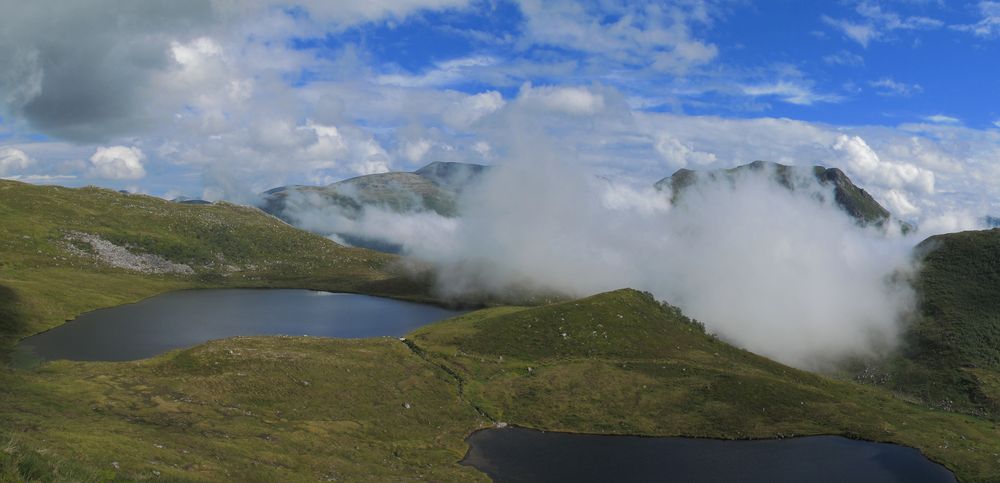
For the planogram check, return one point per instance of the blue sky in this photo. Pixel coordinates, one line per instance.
(841, 63)
(222, 100)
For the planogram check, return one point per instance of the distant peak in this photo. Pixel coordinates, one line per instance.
(850, 197)
(448, 165)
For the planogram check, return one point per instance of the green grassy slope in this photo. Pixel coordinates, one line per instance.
(43, 283)
(242, 409)
(951, 357)
(621, 363)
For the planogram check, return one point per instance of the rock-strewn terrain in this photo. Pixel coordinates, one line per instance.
(120, 257)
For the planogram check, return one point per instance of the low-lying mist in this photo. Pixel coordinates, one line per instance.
(787, 274)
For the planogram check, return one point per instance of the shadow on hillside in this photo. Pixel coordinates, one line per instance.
(12, 321)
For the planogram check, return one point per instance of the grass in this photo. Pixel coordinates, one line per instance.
(951, 357)
(249, 409)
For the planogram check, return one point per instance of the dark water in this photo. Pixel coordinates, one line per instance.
(514, 454)
(187, 318)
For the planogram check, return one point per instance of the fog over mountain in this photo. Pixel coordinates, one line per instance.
(785, 273)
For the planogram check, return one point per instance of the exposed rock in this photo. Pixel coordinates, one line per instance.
(120, 257)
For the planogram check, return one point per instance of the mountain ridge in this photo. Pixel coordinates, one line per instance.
(854, 200)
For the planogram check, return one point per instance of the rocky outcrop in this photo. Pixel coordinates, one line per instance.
(118, 256)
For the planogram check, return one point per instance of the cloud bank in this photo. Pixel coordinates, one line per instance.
(778, 272)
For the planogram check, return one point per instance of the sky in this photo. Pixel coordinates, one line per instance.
(223, 99)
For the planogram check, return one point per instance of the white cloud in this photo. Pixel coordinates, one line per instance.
(899, 205)
(568, 100)
(681, 155)
(219, 108)
(444, 73)
(989, 23)
(652, 35)
(117, 162)
(685, 55)
(790, 92)
(344, 13)
(371, 158)
(844, 58)
(950, 222)
(863, 34)
(414, 151)
(888, 87)
(876, 23)
(470, 109)
(942, 119)
(42, 178)
(536, 222)
(328, 145)
(196, 52)
(13, 160)
(863, 161)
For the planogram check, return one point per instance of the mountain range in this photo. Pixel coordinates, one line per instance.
(437, 187)
(851, 198)
(434, 188)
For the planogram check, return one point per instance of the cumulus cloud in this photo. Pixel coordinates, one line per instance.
(415, 151)
(13, 160)
(568, 100)
(216, 93)
(117, 162)
(681, 155)
(92, 80)
(470, 109)
(861, 159)
(107, 76)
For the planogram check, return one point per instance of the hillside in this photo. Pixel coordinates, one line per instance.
(65, 251)
(331, 210)
(621, 363)
(452, 176)
(951, 357)
(280, 408)
(848, 196)
(399, 192)
(283, 408)
(434, 187)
